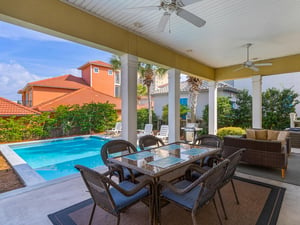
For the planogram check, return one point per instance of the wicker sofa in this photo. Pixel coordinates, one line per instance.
(268, 153)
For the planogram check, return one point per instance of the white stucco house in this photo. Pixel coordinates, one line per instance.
(160, 95)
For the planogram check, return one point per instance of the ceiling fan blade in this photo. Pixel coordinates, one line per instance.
(163, 21)
(263, 64)
(182, 3)
(254, 68)
(149, 7)
(197, 21)
(240, 68)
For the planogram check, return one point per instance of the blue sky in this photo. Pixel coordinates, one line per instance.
(27, 55)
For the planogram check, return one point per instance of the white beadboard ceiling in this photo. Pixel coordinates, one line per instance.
(273, 26)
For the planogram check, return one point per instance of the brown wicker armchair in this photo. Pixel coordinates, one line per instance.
(150, 141)
(192, 195)
(115, 148)
(114, 198)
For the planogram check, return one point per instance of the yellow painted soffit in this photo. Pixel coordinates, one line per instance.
(59, 19)
(286, 64)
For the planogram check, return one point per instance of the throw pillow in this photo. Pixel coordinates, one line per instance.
(282, 136)
(261, 134)
(250, 133)
(273, 134)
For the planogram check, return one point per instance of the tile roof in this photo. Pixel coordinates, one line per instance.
(9, 108)
(81, 96)
(97, 63)
(66, 81)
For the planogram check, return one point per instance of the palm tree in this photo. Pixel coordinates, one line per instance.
(195, 84)
(147, 72)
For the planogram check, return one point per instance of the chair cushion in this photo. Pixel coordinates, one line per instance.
(127, 174)
(261, 134)
(122, 201)
(188, 199)
(250, 133)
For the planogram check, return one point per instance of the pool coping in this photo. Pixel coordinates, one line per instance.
(27, 174)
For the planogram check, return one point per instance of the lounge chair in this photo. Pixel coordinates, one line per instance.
(147, 130)
(163, 132)
(116, 130)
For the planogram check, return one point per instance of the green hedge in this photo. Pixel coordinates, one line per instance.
(230, 131)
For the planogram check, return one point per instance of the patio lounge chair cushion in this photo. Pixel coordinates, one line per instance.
(185, 199)
(123, 201)
(250, 133)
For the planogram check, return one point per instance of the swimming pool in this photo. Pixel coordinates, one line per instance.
(57, 158)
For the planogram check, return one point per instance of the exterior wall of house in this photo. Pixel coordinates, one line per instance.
(103, 80)
(160, 100)
(100, 78)
(43, 94)
(86, 75)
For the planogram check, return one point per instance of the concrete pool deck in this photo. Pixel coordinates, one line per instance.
(32, 205)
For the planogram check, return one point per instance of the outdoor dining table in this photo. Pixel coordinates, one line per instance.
(161, 161)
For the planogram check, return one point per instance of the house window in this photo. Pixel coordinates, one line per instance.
(117, 91)
(117, 77)
(96, 70)
(110, 72)
(183, 101)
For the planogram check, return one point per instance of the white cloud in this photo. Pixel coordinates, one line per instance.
(73, 71)
(14, 77)
(14, 32)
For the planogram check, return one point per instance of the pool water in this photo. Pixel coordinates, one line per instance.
(57, 158)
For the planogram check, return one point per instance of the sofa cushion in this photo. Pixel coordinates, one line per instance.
(273, 135)
(250, 133)
(282, 136)
(261, 134)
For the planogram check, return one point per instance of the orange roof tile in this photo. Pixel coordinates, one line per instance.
(66, 81)
(80, 97)
(9, 108)
(97, 63)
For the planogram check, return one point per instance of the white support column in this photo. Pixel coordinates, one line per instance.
(174, 105)
(256, 102)
(212, 109)
(129, 64)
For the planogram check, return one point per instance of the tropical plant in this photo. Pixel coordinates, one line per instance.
(141, 90)
(276, 107)
(147, 72)
(142, 118)
(183, 111)
(195, 84)
(243, 110)
(224, 112)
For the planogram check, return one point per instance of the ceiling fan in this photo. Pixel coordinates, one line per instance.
(250, 64)
(171, 6)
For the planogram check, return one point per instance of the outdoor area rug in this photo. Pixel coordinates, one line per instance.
(260, 204)
(292, 175)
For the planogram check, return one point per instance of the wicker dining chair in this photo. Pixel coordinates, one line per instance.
(115, 148)
(150, 141)
(192, 195)
(234, 160)
(112, 197)
(211, 141)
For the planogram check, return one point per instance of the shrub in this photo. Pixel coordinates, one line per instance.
(230, 131)
(143, 118)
